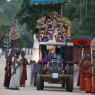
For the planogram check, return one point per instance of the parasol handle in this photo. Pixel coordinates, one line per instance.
(82, 52)
(92, 59)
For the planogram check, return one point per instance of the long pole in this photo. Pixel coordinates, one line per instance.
(92, 66)
(80, 11)
(62, 9)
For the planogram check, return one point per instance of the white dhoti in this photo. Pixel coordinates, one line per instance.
(35, 50)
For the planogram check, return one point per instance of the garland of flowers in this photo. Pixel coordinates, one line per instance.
(54, 27)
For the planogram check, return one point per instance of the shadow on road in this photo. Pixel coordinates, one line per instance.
(60, 89)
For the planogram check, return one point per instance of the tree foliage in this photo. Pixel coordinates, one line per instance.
(16, 4)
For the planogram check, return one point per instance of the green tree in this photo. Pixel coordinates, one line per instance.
(2, 25)
(16, 4)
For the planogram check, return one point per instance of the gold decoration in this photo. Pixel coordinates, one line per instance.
(14, 33)
(62, 24)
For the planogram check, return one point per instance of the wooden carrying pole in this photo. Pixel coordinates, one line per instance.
(92, 61)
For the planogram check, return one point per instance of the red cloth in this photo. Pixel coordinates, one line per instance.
(7, 76)
(82, 76)
(88, 71)
(93, 86)
(88, 76)
(88, 87)
(82, 82)
(24, 63)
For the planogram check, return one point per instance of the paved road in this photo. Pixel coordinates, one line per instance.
(49, 88)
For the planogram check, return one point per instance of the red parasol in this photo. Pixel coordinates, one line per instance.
(82, 41)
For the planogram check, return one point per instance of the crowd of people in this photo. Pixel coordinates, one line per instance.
(15, 70)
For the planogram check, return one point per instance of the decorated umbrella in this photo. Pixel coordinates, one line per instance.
(14, 34)
(81, 41)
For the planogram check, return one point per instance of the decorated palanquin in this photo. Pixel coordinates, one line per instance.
(53, 27)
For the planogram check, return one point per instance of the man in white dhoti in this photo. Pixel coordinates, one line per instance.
(16, 72)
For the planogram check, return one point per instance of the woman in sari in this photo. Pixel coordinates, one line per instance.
(8, 69)
(16, 72)
(24, 63)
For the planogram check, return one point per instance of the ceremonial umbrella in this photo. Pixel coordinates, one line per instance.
(82, 41)
(14, 34)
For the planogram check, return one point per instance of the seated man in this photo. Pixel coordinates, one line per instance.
(46, 59)
(57, 56)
